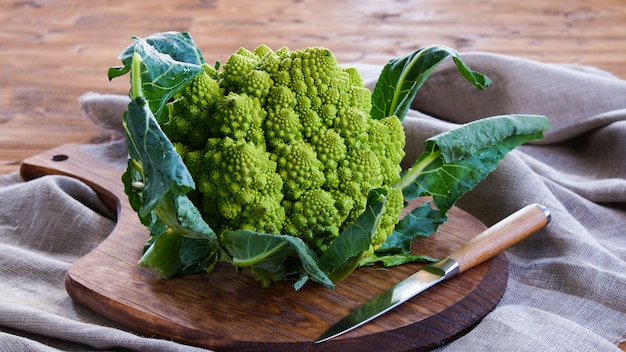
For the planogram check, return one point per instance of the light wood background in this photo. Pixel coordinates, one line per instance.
(51, 52)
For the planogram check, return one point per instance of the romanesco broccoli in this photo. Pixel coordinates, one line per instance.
(283, 142)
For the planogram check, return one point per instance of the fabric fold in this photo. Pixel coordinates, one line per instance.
(575, 99)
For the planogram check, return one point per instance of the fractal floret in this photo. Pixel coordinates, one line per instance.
(283, 142)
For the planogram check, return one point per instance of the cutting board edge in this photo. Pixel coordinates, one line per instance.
(133, 317)
(136, 319)
(144, 322)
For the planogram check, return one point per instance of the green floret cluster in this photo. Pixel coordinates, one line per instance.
(282, 142)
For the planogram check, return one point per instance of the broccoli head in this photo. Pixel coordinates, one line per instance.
(283, 142)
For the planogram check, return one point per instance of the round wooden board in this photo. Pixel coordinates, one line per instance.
(224, 310)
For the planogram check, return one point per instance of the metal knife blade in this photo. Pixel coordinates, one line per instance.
(490, 242)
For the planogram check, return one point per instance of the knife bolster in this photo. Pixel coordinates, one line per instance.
(446, 267)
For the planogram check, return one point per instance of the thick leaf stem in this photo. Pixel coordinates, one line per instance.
(163, 255)
(135, 77)
(166, 210)
(404, 77)
(412, 173)
(249, 261)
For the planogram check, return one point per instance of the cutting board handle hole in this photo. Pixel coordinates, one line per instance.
(60, 157)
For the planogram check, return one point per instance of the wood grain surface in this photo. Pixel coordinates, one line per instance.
(224, 310)
(51, 52)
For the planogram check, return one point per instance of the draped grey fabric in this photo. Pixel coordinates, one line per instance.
(567, 283)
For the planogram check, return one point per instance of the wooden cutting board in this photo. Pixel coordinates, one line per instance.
(224, 310)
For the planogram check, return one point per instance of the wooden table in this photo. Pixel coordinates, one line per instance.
(51, 52)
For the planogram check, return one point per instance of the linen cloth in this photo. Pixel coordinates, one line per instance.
(567, 283)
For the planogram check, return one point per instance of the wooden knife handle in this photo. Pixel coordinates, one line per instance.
(501, 236)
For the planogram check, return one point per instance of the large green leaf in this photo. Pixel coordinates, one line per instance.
(401, 78)
(265, 256)
(453, 164)
(170, 61)
(197, 255)
(169, 254)
(178, 45)
(157, 182)
(475, 136)
(162, 255)
(389, 260)
(456, 161)
(344, 254)
(162, 169)
(422, 221)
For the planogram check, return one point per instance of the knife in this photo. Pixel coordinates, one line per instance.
(486, 245)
